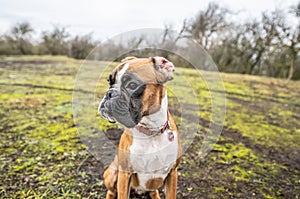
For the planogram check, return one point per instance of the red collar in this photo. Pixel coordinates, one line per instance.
(149, 132)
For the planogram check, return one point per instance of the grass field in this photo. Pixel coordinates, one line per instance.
(257, 155)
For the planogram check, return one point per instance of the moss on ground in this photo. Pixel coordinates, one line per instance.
(42, 156)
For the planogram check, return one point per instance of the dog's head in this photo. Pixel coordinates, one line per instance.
(136, 89)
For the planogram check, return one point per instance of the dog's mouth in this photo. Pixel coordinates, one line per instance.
(116, 111)
(104, 114)
(120, 109)
(105, 111)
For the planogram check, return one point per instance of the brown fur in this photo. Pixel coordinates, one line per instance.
(154, 183)
(110, 179)
(173, 127)
(144, 69)
(154, 194)
(171, 183)
(152, 98)
(123, 152)
(135, 182)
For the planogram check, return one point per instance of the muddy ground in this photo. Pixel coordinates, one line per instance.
(42, 156)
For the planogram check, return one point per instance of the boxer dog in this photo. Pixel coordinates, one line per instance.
(149, 150)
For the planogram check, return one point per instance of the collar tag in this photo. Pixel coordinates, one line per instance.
(171, 135)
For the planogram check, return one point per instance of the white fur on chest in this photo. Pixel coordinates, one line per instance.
(153, 156)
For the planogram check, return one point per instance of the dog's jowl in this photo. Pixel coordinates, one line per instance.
(149, 149)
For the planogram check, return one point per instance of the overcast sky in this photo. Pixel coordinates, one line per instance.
(110, 17)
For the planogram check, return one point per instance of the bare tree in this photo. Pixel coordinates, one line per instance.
(135, 42)
(208, 23)
(293, 39)
(296, 9)
(20, 36)
(171, 36)
(54, 42)
(288, 36)
(81, 46)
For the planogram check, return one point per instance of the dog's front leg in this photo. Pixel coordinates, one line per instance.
(123, 185)
(171, 184)
(154, 194)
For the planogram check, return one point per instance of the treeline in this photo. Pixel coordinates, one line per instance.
(56, 42)
(269, 45)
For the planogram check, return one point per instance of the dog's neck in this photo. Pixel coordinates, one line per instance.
(157, 120)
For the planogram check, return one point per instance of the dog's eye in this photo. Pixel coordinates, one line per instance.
(132, 85)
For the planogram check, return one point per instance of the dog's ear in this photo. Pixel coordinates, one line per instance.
(128, 58)
(164, 69)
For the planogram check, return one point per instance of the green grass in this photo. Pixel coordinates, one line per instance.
(257, 155)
